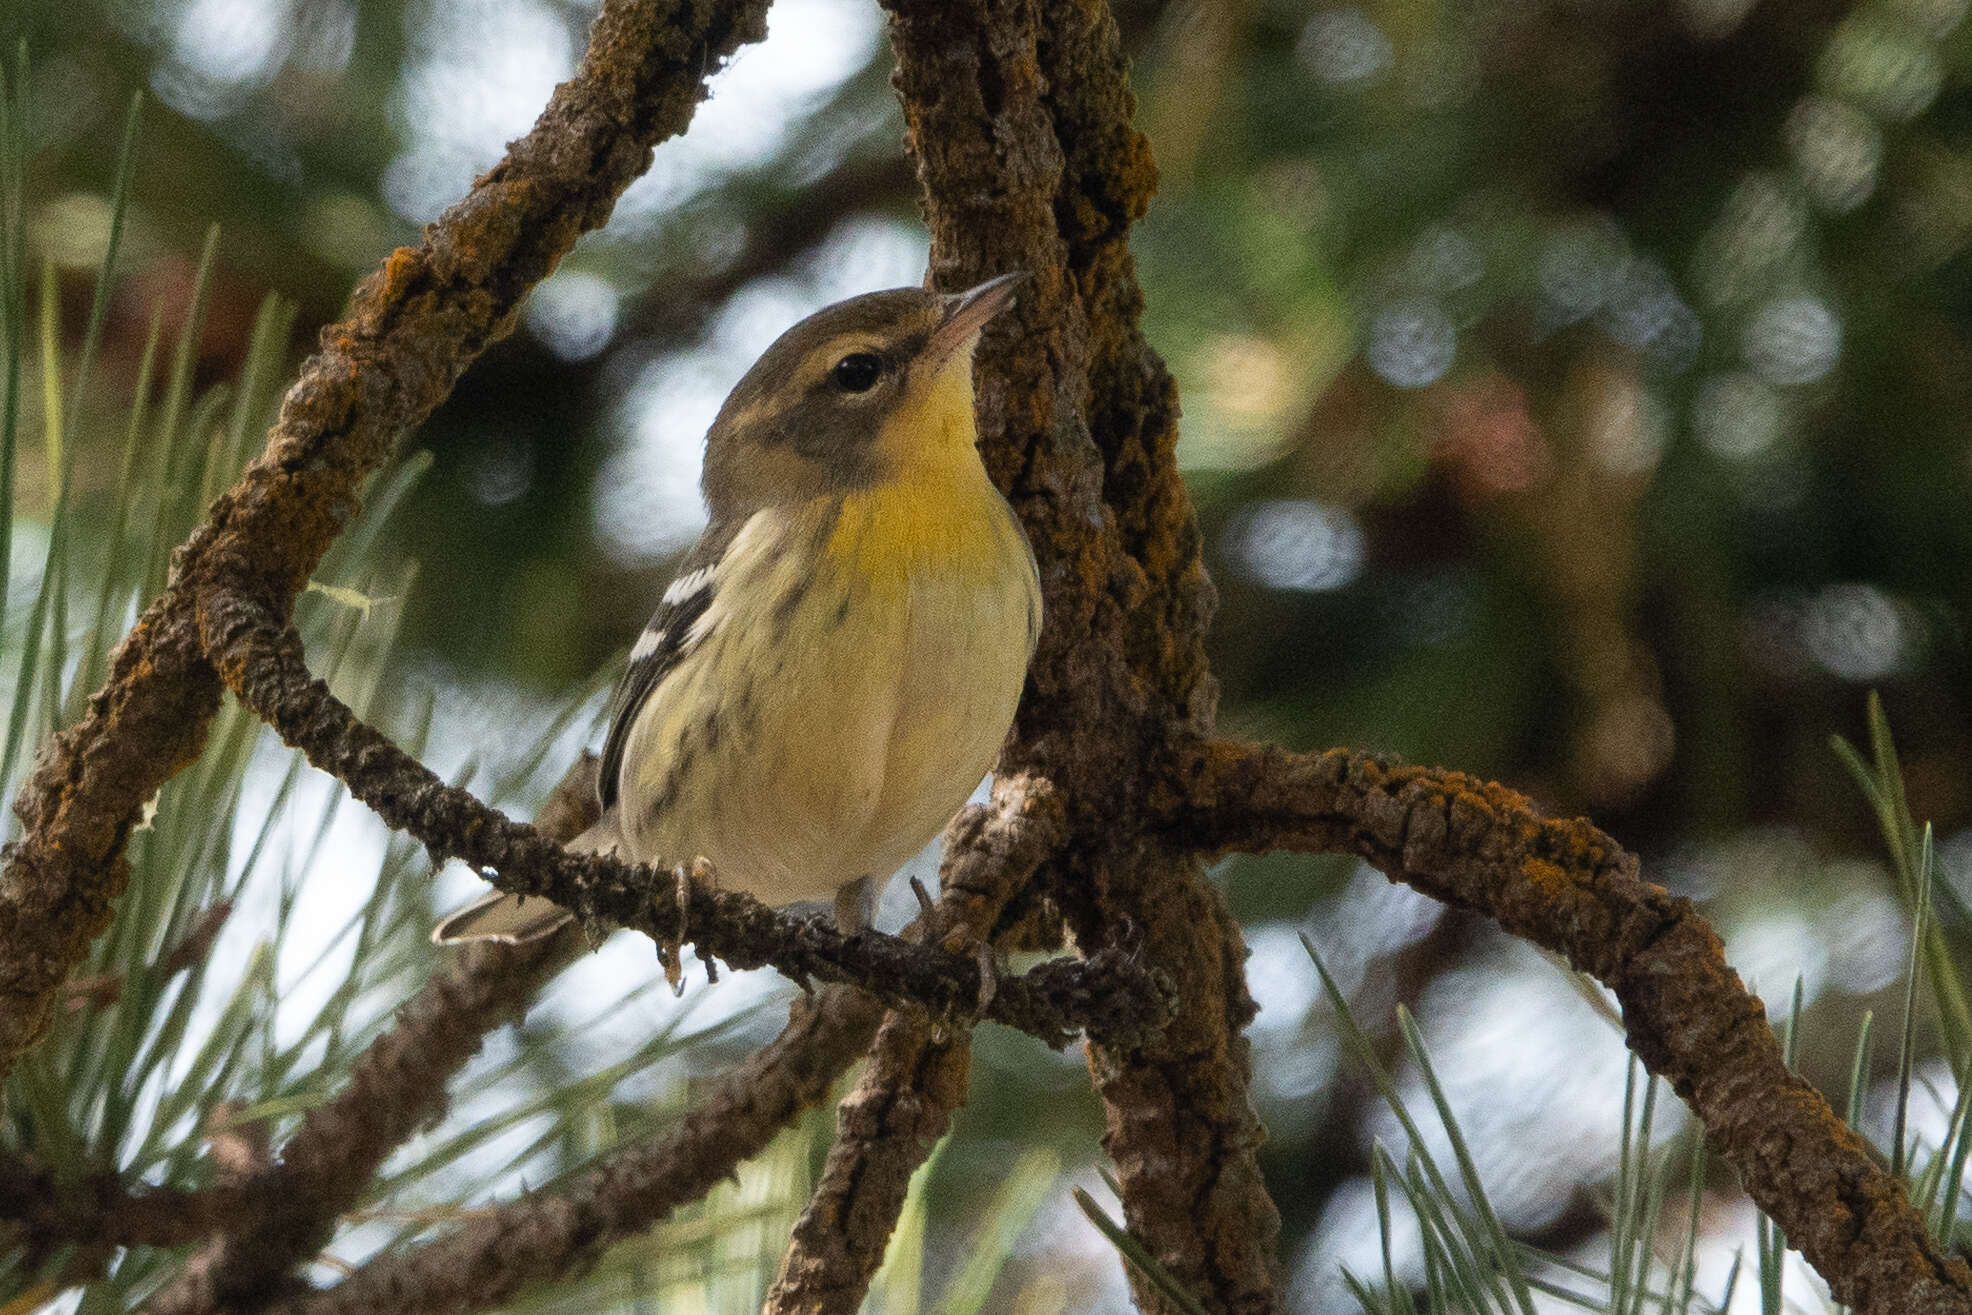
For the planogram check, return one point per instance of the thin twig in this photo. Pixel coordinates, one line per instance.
(104, 989)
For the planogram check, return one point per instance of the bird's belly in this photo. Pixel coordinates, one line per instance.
(860, 741)
(965, 656)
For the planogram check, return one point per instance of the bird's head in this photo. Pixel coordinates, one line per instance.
(869, 387)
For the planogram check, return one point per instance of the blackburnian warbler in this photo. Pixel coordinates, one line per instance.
(838, 660)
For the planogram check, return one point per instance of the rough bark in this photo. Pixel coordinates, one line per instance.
(1020, 117)
(562, 1230)
(411, 330)
(1567, 886)
(45, 1212)
(916, 1075)
(1019, 114)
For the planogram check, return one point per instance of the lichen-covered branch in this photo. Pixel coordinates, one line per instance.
(411, 329)
(1568, 887)
(1019, 113)
(286, 1211)
(917, 1070)
(1108, 993)
(562, 1230)
(554, 1232)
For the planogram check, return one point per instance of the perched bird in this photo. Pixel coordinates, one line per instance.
(832, 671)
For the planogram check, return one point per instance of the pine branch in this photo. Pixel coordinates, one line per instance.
(885, 1127)
(290, 1208)
(412, 328)
(1108, 993)
(551, 1233)
(44, 1213)
(554, 1232)
(1566, 886)
(285, 1212)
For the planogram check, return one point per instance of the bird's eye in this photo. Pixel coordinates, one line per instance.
(857, 372)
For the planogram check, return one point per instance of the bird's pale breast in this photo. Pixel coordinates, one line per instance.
(885, 682)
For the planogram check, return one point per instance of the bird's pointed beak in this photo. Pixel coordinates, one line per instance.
(966, 313)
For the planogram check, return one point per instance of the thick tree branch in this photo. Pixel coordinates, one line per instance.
(551, 1233)
(1108, 993)
(917, 1070)
(1568, 887)
(43, 1213)
(1019, 113)
(885, 1127)
(411, 329)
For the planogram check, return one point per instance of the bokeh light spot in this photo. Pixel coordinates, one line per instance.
(1297, 544)
(1777, 948)
(1343, 46)
(1764, 226)
(1412, 343)
(1881, 65)
(1738, 415)
(573, 314)
(479, 72)
(1793, 340)
(325, 36)
(1642, 304)
(647, 496)
(1574, 272)
(499, 471)
(1444, 260)
(73, 230)
(1856, 632)
(219, 51)
(1838, 149)
(1934, 18)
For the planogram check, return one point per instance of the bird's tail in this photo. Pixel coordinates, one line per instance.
(520, 919)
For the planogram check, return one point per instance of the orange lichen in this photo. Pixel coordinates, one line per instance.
(1550, 879)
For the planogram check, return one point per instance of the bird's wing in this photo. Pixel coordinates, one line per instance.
(666, 639)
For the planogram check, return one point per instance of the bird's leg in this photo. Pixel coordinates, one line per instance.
(670, 949)
(702, 875)
(854, 905)
(959, 939)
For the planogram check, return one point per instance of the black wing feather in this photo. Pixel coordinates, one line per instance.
(665, 640)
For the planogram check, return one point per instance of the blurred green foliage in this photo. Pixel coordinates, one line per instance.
(1576, 392)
